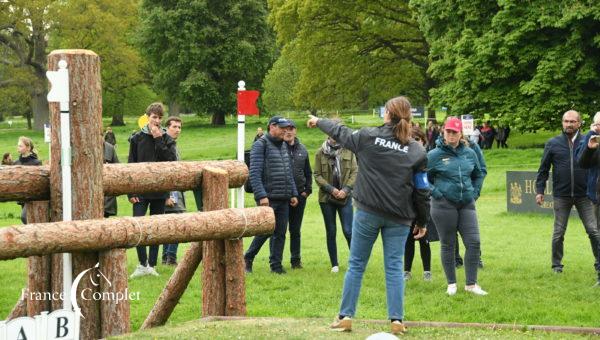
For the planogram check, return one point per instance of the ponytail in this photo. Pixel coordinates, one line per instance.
(398, 109)
(402, 131)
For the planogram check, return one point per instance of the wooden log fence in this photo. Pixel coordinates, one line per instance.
(27, 183)
(122, 232)
(92, 239)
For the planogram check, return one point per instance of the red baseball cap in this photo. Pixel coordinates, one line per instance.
(453, 124)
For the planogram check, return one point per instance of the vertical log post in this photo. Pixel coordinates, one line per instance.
(215, 185)
(39, 278)
(235, 274)
(115, 315)
(85, 111)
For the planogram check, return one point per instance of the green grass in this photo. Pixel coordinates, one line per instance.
(316, 328)
(516, 251)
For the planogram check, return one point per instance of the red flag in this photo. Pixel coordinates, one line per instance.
(246, 102)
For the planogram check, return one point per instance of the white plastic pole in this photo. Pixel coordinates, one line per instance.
(241, 144)
(60, 93)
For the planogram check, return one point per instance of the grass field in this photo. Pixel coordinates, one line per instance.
(516, 252)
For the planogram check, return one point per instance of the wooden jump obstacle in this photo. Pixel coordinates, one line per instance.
(216, 233)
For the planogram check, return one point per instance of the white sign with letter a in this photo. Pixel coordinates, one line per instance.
(61, 324)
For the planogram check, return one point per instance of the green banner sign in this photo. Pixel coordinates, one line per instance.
(520, 193)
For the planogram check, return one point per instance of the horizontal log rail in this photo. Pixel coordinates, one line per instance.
(32, 183)
(123, 232)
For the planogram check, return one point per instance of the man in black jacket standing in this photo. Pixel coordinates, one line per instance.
(151, 144)
(303, 179)
(569, 182)
(273, 186)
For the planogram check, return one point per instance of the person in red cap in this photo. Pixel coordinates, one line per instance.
(455, 177)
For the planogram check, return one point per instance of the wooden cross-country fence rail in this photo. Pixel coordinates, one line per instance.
(215, 233)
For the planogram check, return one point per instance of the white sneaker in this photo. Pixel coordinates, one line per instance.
(139, 271)
(476, 290)
(407, 276)
(335, 269)
(152, 271)
(451, 290)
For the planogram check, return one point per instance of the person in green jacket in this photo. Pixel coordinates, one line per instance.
(456, 178)
(335, 172)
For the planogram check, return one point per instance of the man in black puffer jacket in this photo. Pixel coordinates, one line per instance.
(273, 185)
(569, 184)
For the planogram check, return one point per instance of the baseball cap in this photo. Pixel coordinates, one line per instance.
(281, 122)
(453, 124)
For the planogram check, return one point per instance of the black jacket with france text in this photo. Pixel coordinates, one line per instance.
(568, 178)
(386, 167)
(145, 148)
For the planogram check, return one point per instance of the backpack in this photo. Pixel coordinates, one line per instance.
(248, 185)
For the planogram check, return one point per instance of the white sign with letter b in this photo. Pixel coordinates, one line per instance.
(61, 324)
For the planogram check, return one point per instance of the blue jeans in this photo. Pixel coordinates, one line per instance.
(170, 250)
(365, 230)
(329, 210)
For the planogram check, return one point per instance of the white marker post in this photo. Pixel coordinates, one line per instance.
(241, 119)
(59, 92)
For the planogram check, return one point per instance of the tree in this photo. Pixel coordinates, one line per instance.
(105, 27)
(199, 49)
(279, 83)
(523, 64)
(24, 26)
(352, 53)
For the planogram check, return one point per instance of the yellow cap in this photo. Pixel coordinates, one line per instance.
(142, 121)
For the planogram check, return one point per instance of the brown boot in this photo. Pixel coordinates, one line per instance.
(343, 325)
(398, 328)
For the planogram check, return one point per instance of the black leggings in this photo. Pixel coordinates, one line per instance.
(409, 252)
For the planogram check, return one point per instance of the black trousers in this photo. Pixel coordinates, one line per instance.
(157, 207)
(277, 240)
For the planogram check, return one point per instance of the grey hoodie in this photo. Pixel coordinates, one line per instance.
(386, 168)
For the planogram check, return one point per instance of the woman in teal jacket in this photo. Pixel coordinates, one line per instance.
(455, 176)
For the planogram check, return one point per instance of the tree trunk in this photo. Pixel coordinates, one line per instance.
(39, 273)
(32, 183)
(218, 119)
(431, 114)
(169, 298)
(174, 108)
(117, 119)
(39, 107)
(28, 117)
(214, 197)
(85, 114)
(123, 232)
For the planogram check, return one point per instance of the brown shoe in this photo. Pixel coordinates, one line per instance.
(398, 328)
(343, 325)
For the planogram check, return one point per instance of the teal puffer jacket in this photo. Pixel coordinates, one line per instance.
(454, 174)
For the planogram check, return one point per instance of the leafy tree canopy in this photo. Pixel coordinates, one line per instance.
(199, 49)
(524, 64)
(351, 53)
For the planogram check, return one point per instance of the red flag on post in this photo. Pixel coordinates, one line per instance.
(246, 102)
